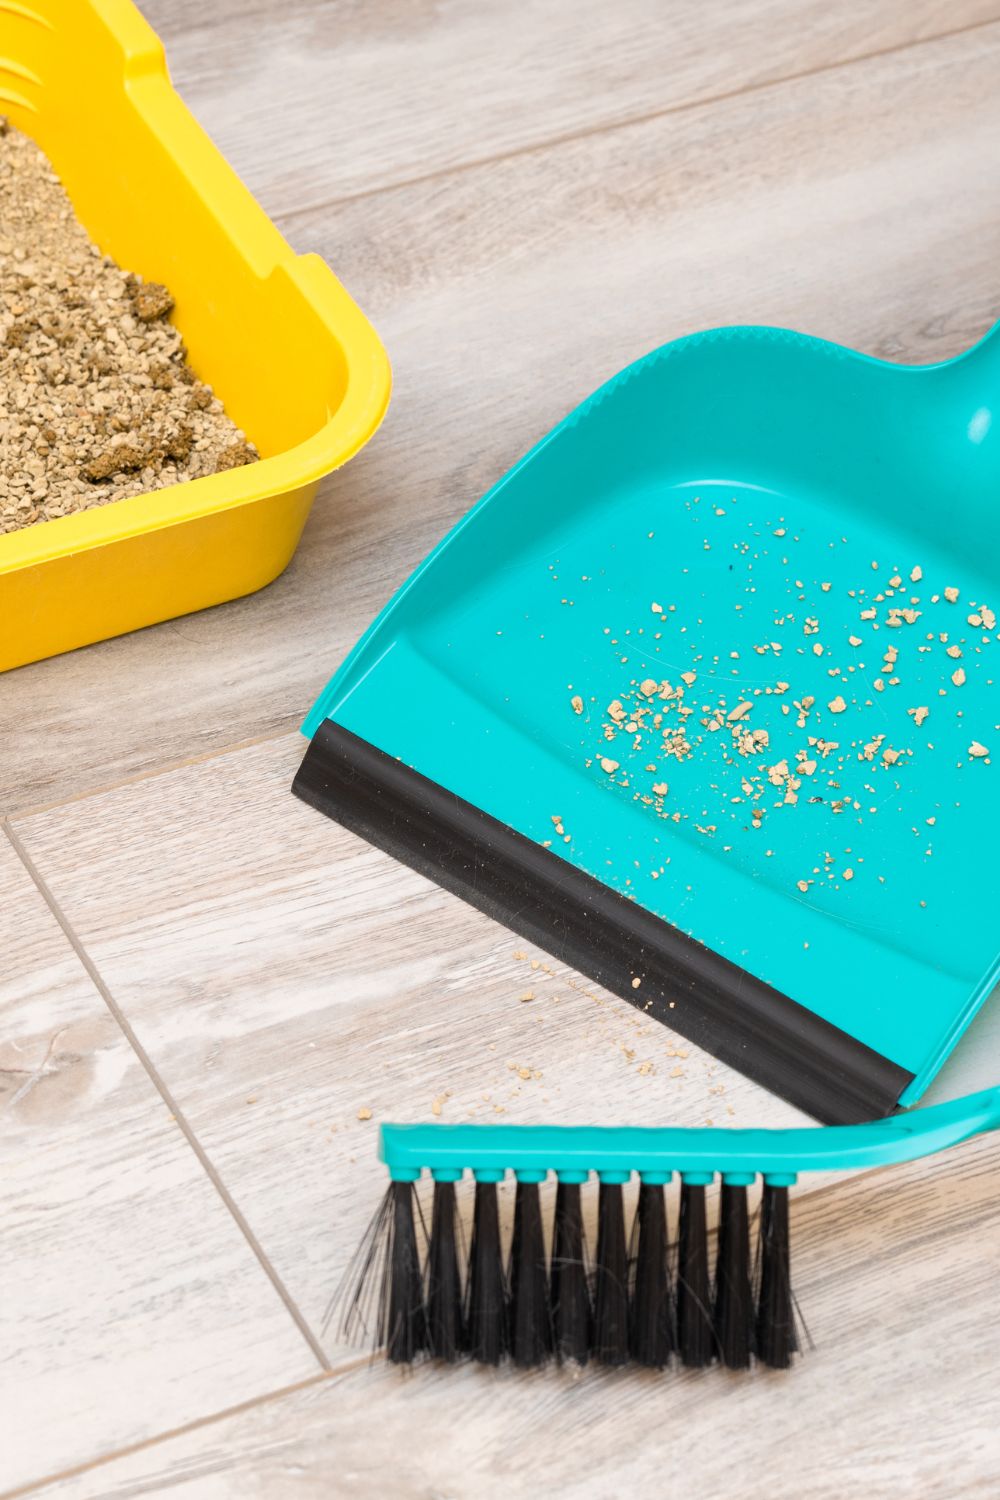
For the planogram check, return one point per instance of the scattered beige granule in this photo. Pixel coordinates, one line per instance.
(97, 401)
(951, 594)
(528, 995)
(364, 1113)
(576, 704)
(916, 574)
(609, 766)
(662, 720)
(987, 618)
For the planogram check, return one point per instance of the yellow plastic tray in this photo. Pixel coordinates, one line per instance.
(297, 365)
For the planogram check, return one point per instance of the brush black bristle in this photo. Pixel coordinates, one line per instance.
(651, 1338)
(403, 1317)
(487, 1311)
(637, 1305)
(734, 1313)
(568, 1289)
(445, 1323)
(695, 1338)
(361, 1298)
(775, 1341)
(531, 1340)
(382, 1294)
(610, 1341)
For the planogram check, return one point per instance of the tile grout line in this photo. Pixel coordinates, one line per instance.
(346, 1366)
(197, 1424)
(174, 1108)
(555, 141)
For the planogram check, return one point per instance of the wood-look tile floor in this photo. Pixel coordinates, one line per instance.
(203, 982)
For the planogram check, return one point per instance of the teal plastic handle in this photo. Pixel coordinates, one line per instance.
(614, 1152)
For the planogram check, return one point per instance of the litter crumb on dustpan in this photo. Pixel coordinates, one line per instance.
(687, 712)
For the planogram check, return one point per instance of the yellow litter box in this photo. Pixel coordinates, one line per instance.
(87, 80)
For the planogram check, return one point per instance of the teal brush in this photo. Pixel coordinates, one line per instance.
(419, 1294)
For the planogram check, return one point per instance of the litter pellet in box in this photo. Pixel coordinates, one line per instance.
(97, 400)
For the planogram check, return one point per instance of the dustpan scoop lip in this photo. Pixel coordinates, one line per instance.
(720, 1006)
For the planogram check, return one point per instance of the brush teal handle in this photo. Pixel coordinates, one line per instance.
(615, 1152)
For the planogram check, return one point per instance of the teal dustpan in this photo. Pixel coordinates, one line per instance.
(702, 697)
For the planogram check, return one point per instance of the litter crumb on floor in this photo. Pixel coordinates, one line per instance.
(97, 401)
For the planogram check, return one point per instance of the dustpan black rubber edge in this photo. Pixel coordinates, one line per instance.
(764, 1034)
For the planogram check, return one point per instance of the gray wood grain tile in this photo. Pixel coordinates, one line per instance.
(130, 1301)
(856, 203)
(337, 98)
(896, 1272)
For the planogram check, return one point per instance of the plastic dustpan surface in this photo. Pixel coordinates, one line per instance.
(291, 356)
(702, 696)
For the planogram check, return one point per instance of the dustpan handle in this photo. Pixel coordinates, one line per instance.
(978, 371)
(532, 1151)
